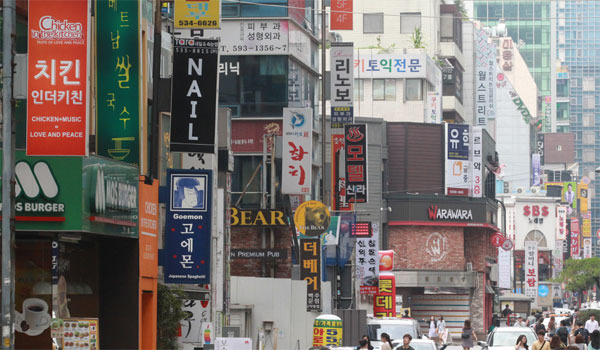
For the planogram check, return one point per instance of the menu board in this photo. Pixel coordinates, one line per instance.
(77, 333)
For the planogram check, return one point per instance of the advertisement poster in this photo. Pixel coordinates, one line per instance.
(536, 170)
(188, 226)
(310, 271)
(356, 163)
(194, 95)
(587, 248)
(384, 302)
(118, 80)
(569, 196)
(367, 263)
(327, 331)
(338, 174)
(504, 268)
(248, 136)
(252, 37)
(342, 84)
(77, 333)
(341, 15)
(575, 236)
(233, 344)
(332, 235)
(433, 108)
(477, 158)
(457, 159)
(297, 150)
(561, 222)
(311, 218)
(531, 270)
(57, 78)
(197, 313)
(194, 14)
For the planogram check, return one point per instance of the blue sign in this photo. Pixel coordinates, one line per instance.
(188, 226)
(458, 141)
(543, 290)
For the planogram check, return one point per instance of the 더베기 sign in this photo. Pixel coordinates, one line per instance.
(310, 271)
(188, 226)
(197, 14)
(457, 160)
(57, 83)
(367, 263)
(356, 162)
(531, 269)
(341, 15)
(342, 84)
(297, 151)
(194, 95)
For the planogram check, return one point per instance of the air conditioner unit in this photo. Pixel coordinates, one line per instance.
(535, 189)
(469, 267)
(520, 190)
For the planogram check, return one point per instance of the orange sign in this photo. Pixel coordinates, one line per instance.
(58, 89)
(148, 222)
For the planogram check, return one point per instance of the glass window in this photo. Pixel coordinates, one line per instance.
(589, 102)
(447, 25)
(373, 23)
(359, 90)
(384, 89)
(589, 84)
(589, 155)
(409, 21)
(249, 9)
(244, 168)
(413, 89)
(588, 120)
(589, 137)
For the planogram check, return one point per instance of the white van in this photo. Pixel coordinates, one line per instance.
(395, 327)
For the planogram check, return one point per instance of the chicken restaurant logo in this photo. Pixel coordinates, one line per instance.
(51, 28)
(437, 213)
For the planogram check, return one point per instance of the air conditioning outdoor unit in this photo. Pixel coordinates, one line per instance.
(535, 189)
(520, 190)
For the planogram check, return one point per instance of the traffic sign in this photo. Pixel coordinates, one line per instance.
(507, 244)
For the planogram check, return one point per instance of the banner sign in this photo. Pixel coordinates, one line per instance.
(587, 248)
(531, 269)
(477, 176)
(586, 225)
(384, 302)
(198, 312)
(342, 84)
(118, 80)
(485, 71)
(536, 170)
(327, 331)
(582, 195)
(356, 162)
(148, 228)
(575, 238)
(386, 260)
(561, 222)
(188, 226)
(297, 150)
(557, 259)
(310, 271)
(194, 14)
(540, 147)
(332, 235)
(457, 160)
(258, 217)
(341, 15)
(504, 275)
(194, 95)
(338, 174)
(57, 81)
(433, 108)
(367, 263)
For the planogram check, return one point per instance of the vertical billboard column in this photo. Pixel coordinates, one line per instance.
(531, 270)
(481, 78)
(57, 82)
(297, 151)
(310, 271)
(356, 163)
(118, 80)
(194, 95)
(458, 165)
(338, 174)
(477, 176)
(188, 227)
(384, 302)
(342, 84)
(367, 263)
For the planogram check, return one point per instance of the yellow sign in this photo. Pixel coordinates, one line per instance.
(198, 14)
(327, 331)
(311, 218)
(582, 194)
(586, 227)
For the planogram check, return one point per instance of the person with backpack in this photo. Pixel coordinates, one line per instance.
(581, 330)
(467, 336)
(594, 340)
(539, 326)
(563, 332)
(541, 343)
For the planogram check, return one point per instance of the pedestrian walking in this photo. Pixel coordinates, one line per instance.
(541, 343)
(580, 342)
(365, 338)
(552, 326)
(386, 342)
(563, 333)
(591, 325)
(442, 331)
(556, 343)
(468, 335)
(406, 342)
(433, 329)
(595, 340)
(522, 343)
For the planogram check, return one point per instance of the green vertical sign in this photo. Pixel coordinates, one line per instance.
(118, 74)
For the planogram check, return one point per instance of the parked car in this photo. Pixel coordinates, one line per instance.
(505, 338)
(395, 327)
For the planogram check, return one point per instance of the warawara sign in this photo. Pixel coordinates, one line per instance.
(49, 196)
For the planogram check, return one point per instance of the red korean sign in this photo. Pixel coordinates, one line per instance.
(497, 239)
(384, 302)
(575, 238)
(338, 174)
(247, 136)
(297, 151)
(57, 77)
(386, 260)
(356, 162)
(341, 14)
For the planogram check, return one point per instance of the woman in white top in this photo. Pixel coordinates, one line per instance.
(521, 343)
(432, 328)
(441, 330)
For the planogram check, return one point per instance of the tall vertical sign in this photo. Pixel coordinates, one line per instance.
(57, 78)
(540, 147)
(118, 80)
(188, 227)
(557, 259)
(477, 159)
(433, 108)
(485, 71)
(561, 222)
(310, 271)
(194, 95)
(195, 14)
(536, 170)
(457, 160)
(586, 225)
(342, 84)
(148, 232)
(356, 163)
(575, 253)
(587, 248)
(504, 270)
(338, 174)
(297, 150)
(367, 263)
(384, 302)
(531, 270)
(341, 14)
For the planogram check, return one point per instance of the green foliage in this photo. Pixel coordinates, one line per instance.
(584, 315)
(170, 313)
(460, 6)
(417, 39)
(379, 47)
(580, 274)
